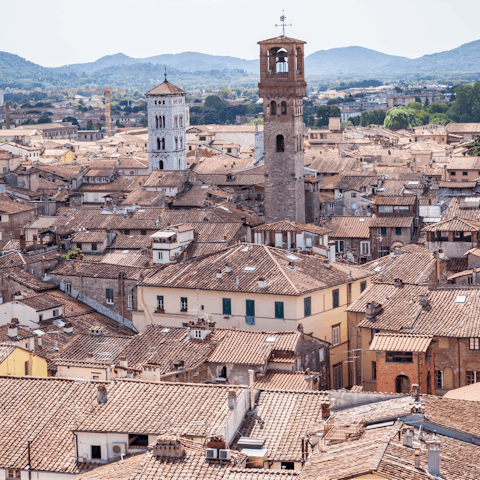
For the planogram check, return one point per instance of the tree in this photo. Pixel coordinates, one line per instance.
(439, 118)
(44, 119)
(311, 121)
(473, 148)
(437, 108)
(224, 93)
(76, 254)
(90, 125)
(415, 106)
(398, 118)
(72, 120)
(466, 107)
(422, 118)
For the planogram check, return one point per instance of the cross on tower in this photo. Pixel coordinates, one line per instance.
(283, 24)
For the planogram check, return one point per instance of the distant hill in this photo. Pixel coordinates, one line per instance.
(9, 61)
(348, 60)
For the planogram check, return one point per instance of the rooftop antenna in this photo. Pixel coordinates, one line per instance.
(165, 72)
(283, 24)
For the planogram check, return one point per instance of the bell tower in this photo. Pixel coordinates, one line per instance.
(282, 87)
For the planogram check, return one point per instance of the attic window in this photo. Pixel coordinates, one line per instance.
(249, 269)
(461, 299)
(271, 339)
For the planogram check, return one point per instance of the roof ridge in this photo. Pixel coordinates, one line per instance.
(281, 269)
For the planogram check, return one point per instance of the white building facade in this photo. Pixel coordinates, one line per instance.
(167, 119)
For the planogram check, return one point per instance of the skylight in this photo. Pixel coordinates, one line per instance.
(292, 257)
(361, 219)
(59, 323)
(165, 330)
(461, 298)
(125, 251)
(271, 339)
(249, 269)
(39, 332)
(377, 269)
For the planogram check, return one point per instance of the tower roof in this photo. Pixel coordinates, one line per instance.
(165, 88)
(280, 39)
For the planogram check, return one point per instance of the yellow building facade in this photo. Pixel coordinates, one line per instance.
(16, 362)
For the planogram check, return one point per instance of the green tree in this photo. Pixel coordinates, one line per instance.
(473, 148)
(72, 120)
(466, 106)
(311, 121)
(224, 93)
(415, 106)
(90, 125)
(439, 118)
(398, 118)
(44, 119)
(422, 117)
(437, 108)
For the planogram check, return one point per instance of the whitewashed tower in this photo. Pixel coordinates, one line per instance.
(166, 127)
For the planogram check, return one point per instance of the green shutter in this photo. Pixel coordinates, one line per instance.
(307, 306)
(227, 306)
(279, 310)
(250, 307)
(336, 298)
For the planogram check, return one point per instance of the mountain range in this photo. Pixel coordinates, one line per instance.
(346, 60)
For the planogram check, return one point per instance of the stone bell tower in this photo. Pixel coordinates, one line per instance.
(282, 87)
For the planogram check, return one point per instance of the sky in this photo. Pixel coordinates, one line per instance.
(60, 32)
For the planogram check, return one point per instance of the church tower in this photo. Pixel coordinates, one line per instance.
(282, 87)
(166, 127)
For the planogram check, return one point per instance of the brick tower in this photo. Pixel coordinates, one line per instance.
(282, 87)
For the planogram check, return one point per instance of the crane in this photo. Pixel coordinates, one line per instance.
(107, 109)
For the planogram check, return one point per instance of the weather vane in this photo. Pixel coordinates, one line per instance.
(283, 24)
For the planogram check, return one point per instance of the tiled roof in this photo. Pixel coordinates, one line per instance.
(334, 164)
(89, 237)
(12, 207)
(236, 179)
(27, 279)
(131, 259)
(42, 302)
(162, 178)
(286, 226)
(349, 227)
(283, 275)
(400, 342)
(281, 39)
(392, 221)
(166, 88)
(186, 406)
(457, 264)
(281, 419)
(450, 184)
(124, 183)
(464, 163)
(284, 380)
(252, 348)
(454, 225)
(131, 242)
(357, 182)
(395, 200)
(141, 197)
(470, 392)
(195, 196)
(5, 351)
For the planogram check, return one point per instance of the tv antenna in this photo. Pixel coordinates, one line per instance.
(283, 24)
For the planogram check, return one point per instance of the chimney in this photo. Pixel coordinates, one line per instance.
(417, 456)
(423, 300)
(35, 238)
(102, 394)
(232, 399)
(371, 310)
(12, 330)
(408, 436)
(433, 447)
(331, 251)
(228, 267)
(262, 283)
(23, 243)
(397, 282)
(251, 374)
(123, 362)
(90, 356)
(325, 404)
(219, 274)
(238, 282)
(392, 254)
(441, 254)
(326, 264)
(68, 328)
(7, 115)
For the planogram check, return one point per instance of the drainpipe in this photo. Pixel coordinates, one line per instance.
(29, 462)
(122, 287)
(250, 383)
(458, 349)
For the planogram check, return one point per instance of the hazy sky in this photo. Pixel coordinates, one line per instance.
(58, 32)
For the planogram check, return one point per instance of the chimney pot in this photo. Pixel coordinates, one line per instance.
(12, 330)
(89, 356)
(68, 328)
(228, 267)
(262, 283)
(433, 447)
(408, 436)
(123, 362)
(423, 300)
(398, 282)
(219, 274)
(232, 399)
(102, 394)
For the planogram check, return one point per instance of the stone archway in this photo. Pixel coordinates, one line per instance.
(402, 384)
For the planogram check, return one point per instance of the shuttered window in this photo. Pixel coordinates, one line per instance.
(335, 298)
(227, 306)
(279, 310)
(250, 307)
(307, 306)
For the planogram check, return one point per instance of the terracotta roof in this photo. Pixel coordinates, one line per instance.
(392, 221)
(396, 342)
(450, 184)
(162, 178)
(279, 40)
(464, 163)
(12, 207)
(284, 276)
(453, 225)
(470, 392)
(165, 88)
(286, 226)
(89, 237)
(284, 380)
(42, 302)
(349, 227)
(5, 351)
(131, 242)
(27, 279)
(395, 200)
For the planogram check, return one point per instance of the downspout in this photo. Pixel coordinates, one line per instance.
(458, 349)
(29, 462)
(122, 286)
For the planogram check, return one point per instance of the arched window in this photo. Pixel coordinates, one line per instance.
(273, 108)
(164, 121)
(160, 164)
(163, 144)
(158, 144)
(280, 143)
(181, 121)
(175, 122)
(181, 142)
(156, 121)
(284, 107)
(176, 143)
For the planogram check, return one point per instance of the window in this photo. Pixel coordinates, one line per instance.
(94, 246)
(143, 232)
(14, 474)
(137, 440)
(400, 357)
(439, 379)
(401, 209)
(273, 108)
(321, 354)
(109, 295)
(223, 372)
(55, 313)
(383, 231)
(202, 139)
(464, 174)
(331, 205)
(453, 173)
(183, 304)
(279, 310)
(288, 466)
(307, 306)
(337, 376)
(475, 344)
(40, 317)
(385, 209)
(68, 288)
(472, 377)
(284, 107)
(374, 370)
(27, 369)
(250, 308)
(363, 286)
(365, 248)
(336, 335)
(398, 230)
(227, 306)
(130, 302)
(229, 150)
(96, 451)
(384, 250)
(280, 143)
(354, 195)
(126, 232)
(79, 246)
(335, 298)
(339, 246)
